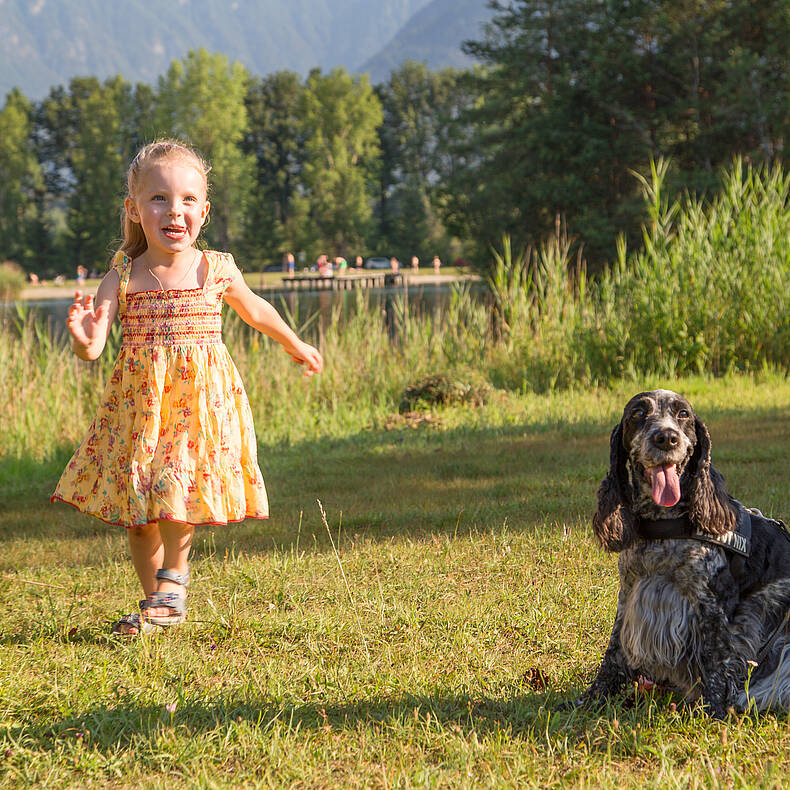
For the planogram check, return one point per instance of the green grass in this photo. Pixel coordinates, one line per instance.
(421, 636)
(465, 599)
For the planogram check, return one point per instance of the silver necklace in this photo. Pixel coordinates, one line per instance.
(183, 277)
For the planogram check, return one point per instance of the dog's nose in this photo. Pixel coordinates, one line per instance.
(666, 439)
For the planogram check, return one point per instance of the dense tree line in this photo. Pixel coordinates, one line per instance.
(574, 95)
(571, 98)
(296, 164)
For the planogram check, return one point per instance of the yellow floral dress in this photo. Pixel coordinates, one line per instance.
(173, 438)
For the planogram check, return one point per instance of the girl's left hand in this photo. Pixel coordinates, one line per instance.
(307, 355)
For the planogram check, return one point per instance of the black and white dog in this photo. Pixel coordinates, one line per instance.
(704, 583)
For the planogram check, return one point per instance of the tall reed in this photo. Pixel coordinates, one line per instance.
(709, 291)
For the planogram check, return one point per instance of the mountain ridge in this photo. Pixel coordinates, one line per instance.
(46, 42)
(433, 35)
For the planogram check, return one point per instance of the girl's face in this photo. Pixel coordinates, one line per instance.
(170, 205)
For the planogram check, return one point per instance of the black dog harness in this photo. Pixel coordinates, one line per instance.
(738, 540)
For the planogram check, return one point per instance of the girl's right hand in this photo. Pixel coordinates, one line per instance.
(305, 354)
(85, 324)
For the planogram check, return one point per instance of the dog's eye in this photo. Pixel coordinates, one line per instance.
(637, 414)
(684, 414)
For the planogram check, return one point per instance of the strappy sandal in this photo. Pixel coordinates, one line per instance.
(134, 620)
(173, 601)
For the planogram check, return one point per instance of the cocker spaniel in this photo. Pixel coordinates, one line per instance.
(704, 582)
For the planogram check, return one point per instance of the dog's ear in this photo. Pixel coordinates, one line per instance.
(613, 522)
(711, 509)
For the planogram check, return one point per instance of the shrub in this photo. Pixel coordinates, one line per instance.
(442, 390)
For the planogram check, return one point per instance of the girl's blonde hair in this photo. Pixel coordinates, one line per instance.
(134, 241)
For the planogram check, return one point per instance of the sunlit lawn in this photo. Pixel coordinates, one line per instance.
(465, 598)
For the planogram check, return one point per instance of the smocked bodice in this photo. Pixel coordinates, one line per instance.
(174, 317)
(173, 437)
(171, 318)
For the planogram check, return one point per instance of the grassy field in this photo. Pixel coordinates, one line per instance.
(418, 636)
(423, 630)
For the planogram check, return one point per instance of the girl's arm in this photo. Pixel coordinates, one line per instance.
(89, 327)
(259, 314)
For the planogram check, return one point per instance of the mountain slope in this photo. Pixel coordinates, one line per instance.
(45, 42)
(434, 36)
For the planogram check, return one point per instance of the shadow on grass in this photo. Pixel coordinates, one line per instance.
(532, 717)
(377, 484)
(110, 727)
(383, 484)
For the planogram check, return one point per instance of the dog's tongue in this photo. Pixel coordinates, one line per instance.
(666, 485)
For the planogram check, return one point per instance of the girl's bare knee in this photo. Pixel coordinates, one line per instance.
(142, 531)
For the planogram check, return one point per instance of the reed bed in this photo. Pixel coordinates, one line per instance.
(709, 293)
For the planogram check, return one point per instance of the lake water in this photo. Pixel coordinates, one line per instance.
(422, 299)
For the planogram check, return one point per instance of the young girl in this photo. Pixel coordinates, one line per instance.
(173, 444)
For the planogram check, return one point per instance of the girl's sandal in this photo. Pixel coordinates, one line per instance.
(176, 603)
(134, 620)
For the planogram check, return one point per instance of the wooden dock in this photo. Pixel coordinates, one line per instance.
(344, 282)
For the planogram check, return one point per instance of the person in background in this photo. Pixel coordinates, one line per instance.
(437, 264)
(324, 266)
(394, 264)
(415, 263)
(358, 263)
(289, 264)
(341, 265)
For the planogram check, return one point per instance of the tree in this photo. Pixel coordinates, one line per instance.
(340, 115)
(276, 139)
(86, 142)
(20, 177)
(418, 106)
(560, 122)
(201, 100)
(576, 94)
(728, 63)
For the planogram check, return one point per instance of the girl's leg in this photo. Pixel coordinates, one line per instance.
(145, 547)
(176, 542)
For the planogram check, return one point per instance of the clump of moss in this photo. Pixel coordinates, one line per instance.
(441, 390)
